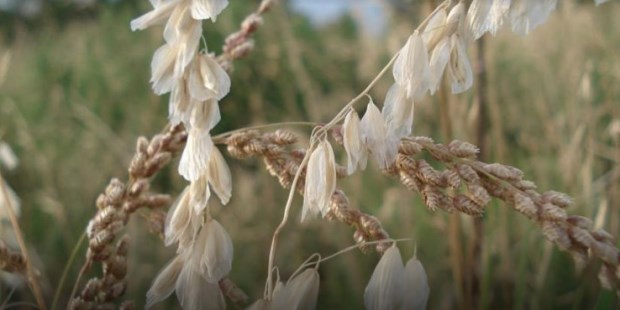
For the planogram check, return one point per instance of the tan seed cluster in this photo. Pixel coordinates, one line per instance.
(442, 190)
(114, 206)
(10, 261)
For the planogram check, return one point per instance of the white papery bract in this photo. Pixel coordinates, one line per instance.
(178, 220)
(375, 136)
(386, 288)
(219, 176)
(207, 79)
(195, 158)
(300, 293)
(398, 114)
(440, 57)
(526, 15)
(459, 68)
(164, 284)
(207, 9)
(161, 11)
(194, 293)
(320, 180)
(179, 23)
(179, 105)
(199, 194)
(205, 115)
(486, 16)
(212, 252)
(416, 285)
(411, 67)
(353, 144)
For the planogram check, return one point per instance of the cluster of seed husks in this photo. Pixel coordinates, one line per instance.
(239, 44)
(11, 261)
(107, 244)
(467, 185)
(283, 162)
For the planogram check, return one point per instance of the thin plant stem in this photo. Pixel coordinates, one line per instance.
(65, 272)
(34, 284)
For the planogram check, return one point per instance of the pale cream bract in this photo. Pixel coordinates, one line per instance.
(386, 288)
(411, 67)
(320, 180)
(353, 144)
(375, 136)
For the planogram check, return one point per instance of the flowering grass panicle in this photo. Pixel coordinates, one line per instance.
(198, 80)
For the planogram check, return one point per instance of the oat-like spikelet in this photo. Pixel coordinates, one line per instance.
(463, 149)
(559, 199)
(207, 9)
(411, 69)
(467, 205)
(407, 147)
(503, 171)
(398, 113)
(353, 144)
(207, 79)
(478, 194)
(219, 176)
(375, 136)
(164, 284)
(468, 174)
(299, 293)
(386, 288)
(525, 205)
(10, 261)
(416, 283)
(320, 180)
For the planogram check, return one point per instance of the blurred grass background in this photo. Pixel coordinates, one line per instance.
(76, 97)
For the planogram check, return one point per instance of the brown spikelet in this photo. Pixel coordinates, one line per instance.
(141, 145)
(478, 194)
(409, 181)
(468, 174)
(525, 205)
(551, 212)
(580, 221)
(409, 148)
(559, 199)
(404, 162)
(582, 237)
(468, 206)
(503, 172)
(463, 149)
(429, 175)
(12, 262)
(285, 137)
(432, 197)
(525, 185)
(233, 292)
(452, 178)
(556, 234)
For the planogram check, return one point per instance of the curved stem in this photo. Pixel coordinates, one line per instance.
(65, 272)
(31, 275)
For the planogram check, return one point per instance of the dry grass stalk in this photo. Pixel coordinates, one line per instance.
(31, 273)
